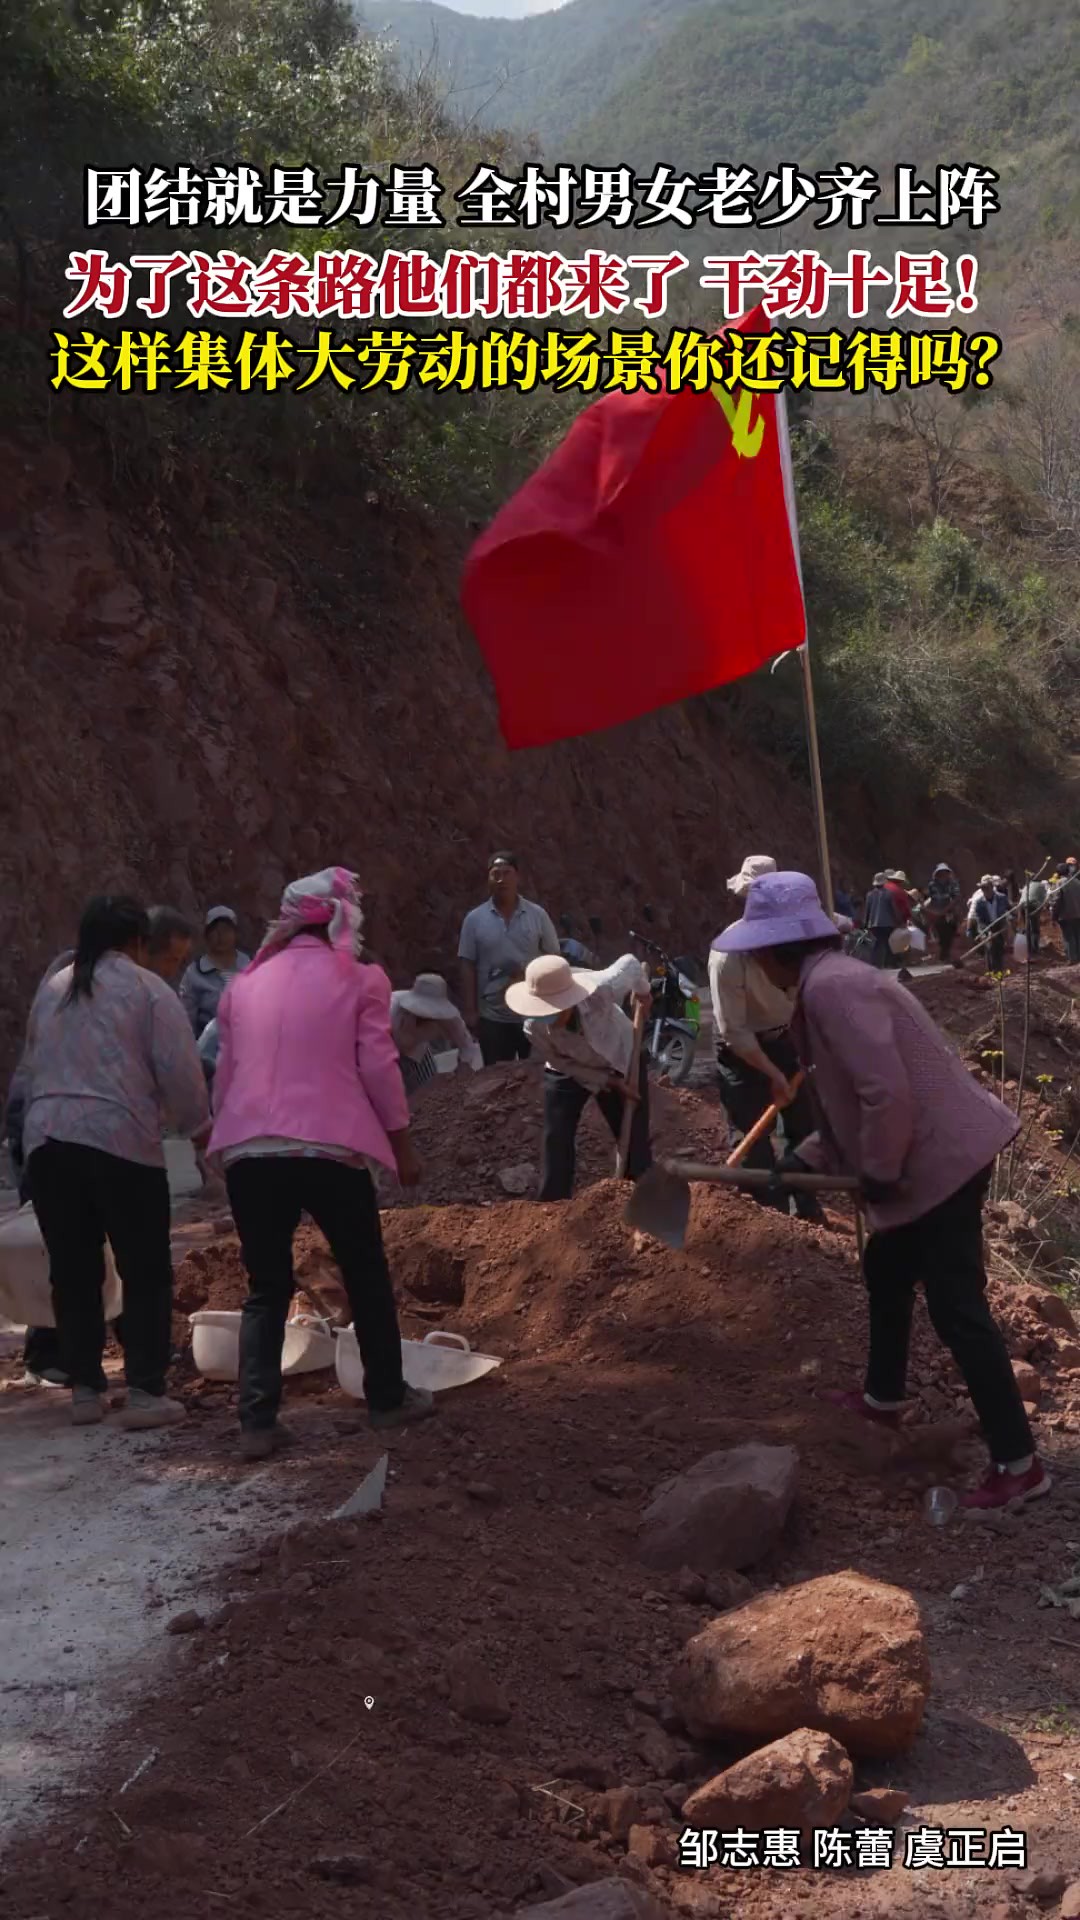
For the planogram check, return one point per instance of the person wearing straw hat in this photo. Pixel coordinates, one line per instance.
(574, 1020)
(897, 1107)
(881, 919)
(988, 919)
(425, 1022)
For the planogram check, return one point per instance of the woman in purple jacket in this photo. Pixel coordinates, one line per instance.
(308, 1097)
(895, 1105)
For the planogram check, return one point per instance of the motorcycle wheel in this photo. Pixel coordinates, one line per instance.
(676, 1056)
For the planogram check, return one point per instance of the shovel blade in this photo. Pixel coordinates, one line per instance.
(660, 1207)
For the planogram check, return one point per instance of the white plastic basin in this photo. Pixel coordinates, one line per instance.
(448, 1062)
(308, 1345)
(438, 1362)
(215, 1344)
(25, 1294)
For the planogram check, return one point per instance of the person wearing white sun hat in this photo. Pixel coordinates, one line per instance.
(897, 1107)
(574, 1020)
(424, 1021)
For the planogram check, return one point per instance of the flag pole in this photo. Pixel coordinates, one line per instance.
(809, 708)
(815, 780)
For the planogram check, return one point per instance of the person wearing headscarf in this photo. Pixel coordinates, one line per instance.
(425, 1023)
(110, 1060)
(308, 1095)
(755, 1060)
(943, 907)
(895, 1106)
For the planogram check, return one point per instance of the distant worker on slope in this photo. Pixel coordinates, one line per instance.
(1066, 910)
(1033, 898)
(943, 907)
(497, 942)
(988, 919)
(898, 1108)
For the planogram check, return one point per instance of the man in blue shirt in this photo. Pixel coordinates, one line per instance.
(497, 942)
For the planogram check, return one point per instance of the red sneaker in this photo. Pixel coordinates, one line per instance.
(1002, 1489)
(853, 1401)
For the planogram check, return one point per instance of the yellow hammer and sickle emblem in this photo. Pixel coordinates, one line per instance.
(747, 433)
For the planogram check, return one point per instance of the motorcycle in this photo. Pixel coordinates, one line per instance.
(671, 1033)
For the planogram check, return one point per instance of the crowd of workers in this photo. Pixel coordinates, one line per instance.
(893, 915)
(292, 1071)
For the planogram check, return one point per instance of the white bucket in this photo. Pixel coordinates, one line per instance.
(25, 1294)
(447, 1062)
(215, 1344)
(308, 1345)
(438, 1362)
(900, 940)
(182, 1168)
(1020, 949)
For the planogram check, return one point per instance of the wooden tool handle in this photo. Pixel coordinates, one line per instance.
(763, 1126)
(761, 1177)
(622, 1155)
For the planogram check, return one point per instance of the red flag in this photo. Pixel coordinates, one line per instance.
(653, 556)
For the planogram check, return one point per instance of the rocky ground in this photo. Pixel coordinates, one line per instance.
(527, 1672)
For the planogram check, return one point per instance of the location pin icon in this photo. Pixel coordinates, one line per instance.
(369, 1701)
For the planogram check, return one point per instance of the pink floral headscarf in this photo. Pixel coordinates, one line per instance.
(327, 899)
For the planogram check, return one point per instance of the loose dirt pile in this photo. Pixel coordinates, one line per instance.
(471, 1127)
(518, 1658)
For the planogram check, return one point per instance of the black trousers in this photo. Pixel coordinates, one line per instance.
(1070, 933)
(883, 953)
(42, 1350)
(746, 1093)
(946, 933)
(268, 1194)
(82, 1198)
(503, 1040)
(945, 1251)
(995, 953)
(1033, 928)
(565, 1101)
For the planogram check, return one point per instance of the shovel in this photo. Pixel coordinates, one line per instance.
(660, 1202)
(622, 1154)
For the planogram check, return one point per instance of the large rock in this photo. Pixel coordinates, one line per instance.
(727, 1511)
(1050, 1308)
(803, 1781)
(843, 1654)
(604, 1900)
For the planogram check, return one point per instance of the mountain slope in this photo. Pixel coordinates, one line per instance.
(820, 81)
(542, 75)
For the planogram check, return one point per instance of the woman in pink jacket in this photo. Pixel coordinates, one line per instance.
(895, 1105)
(307, 1094)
